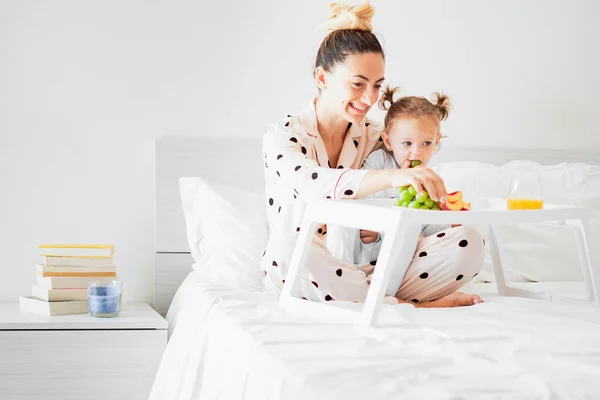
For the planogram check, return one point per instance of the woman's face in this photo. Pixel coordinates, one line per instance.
(353, 86)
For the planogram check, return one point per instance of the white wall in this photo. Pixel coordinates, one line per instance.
(85, 88)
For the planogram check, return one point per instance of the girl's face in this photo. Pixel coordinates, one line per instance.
(413, 138)
(353, 86)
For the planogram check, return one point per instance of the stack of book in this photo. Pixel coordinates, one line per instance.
(63, 275)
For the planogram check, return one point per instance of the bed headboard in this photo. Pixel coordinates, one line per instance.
(238, 161)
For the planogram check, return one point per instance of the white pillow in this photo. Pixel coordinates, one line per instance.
(533, 252)
(227, 230)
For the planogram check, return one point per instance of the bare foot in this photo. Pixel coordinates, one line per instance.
(456, 299)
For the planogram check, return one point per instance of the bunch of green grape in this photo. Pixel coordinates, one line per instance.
(408, 197)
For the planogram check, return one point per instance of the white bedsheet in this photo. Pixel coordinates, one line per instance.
(228, 343)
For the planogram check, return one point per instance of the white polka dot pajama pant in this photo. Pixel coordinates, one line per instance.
(442, 264)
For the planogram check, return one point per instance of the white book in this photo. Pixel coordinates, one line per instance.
(39, 306)
(58, 294)
(60, 282)
(51, 261)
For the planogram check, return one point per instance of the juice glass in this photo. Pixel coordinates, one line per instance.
(525, 193)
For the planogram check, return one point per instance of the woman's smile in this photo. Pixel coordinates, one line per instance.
(359, 108)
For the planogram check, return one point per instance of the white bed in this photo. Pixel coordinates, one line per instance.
(228, 340)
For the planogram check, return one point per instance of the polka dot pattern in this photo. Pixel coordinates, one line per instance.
(463, 243)
(441, 234)
(424, 275)
(337, 185)
(423, 254)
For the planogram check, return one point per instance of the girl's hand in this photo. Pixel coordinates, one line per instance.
(422, 178)
(368, 236)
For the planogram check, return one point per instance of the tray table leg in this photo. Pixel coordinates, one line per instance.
(497, 262)
(590, 271)
(395, 256)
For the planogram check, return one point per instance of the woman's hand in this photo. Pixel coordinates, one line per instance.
(422, 178)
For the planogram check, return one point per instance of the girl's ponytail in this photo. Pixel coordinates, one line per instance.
(388, 97)
(443, 105)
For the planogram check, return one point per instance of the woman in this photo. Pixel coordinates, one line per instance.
(317, 154)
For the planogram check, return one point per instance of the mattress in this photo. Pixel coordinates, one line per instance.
(230, 343)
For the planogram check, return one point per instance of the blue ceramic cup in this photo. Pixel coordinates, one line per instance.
(104, 299)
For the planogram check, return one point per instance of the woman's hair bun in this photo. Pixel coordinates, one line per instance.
(342, 16)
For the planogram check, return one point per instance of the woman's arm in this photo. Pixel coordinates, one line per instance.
(290, 161)
(420, 177)
(289, 158)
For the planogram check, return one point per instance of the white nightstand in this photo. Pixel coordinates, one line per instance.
(79, 357)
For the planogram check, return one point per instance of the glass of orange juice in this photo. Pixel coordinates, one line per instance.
(525, 193)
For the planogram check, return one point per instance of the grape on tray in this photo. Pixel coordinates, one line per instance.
(409, 198)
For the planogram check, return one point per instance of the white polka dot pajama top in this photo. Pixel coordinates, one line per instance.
(297, 170)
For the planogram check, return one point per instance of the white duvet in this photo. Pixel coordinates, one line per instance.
(228, 343)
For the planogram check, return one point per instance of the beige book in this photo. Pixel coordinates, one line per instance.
(76, 271)
(78, 250)
(69, 282)
(51, 261)
(58, 294)
(39, 306)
